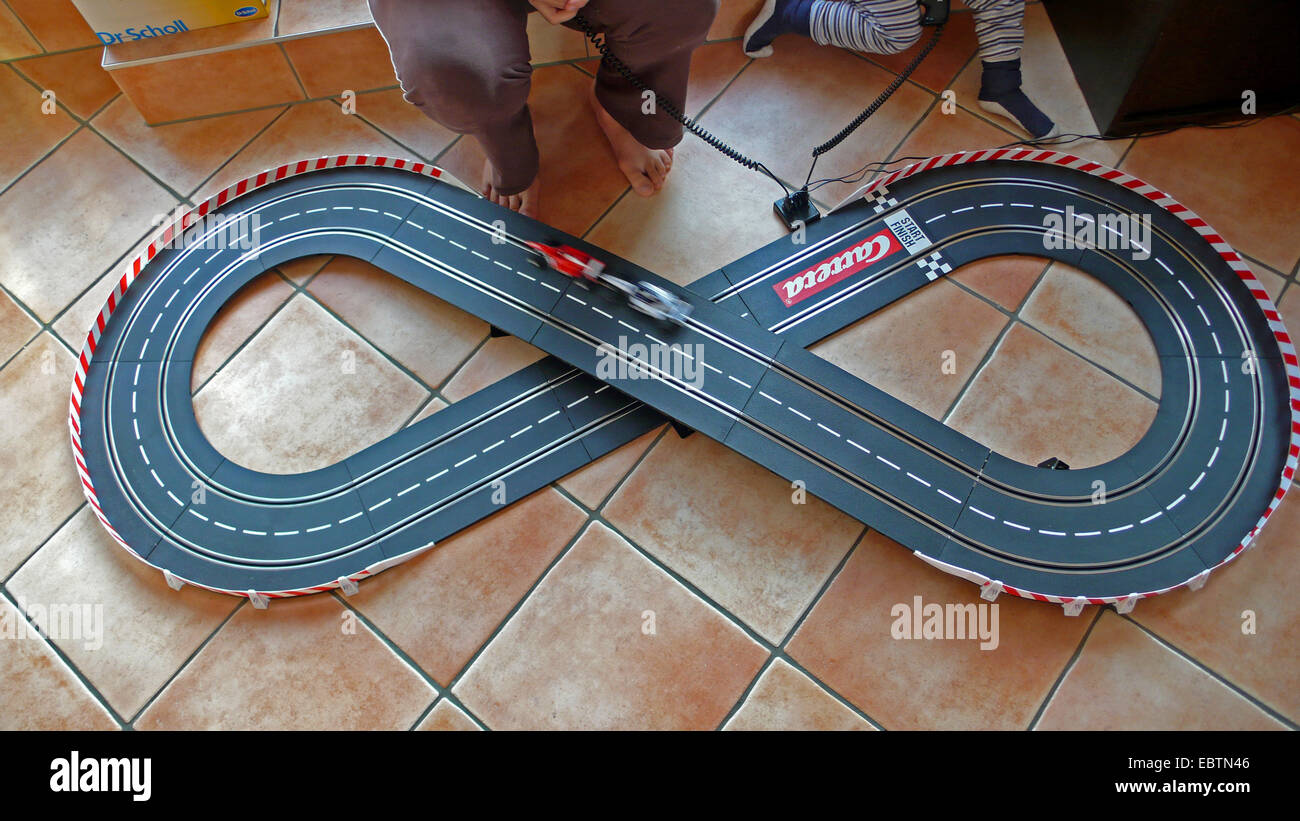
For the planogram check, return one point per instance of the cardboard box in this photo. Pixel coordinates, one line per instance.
(122, 21)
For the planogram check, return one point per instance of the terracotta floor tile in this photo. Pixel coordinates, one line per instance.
(30, 134)
(287, 402)
(392, 114)
(923, 684)
(957, 46)
(430, 337)
(253, 76)
(38, 479)
(903, 349)
(731, 528)
(85, 183)
(813, 91)
(1033, 400)
(941, 133)
(56, 23)
(1230, 178)
(1125, 680)
(41, 693)
(181, 154)
(591, 484)
(498, 358)
(712, 67)
(148, 629)
(786, 699)
(447, 716)
(733, 18)
(548, 43)
(75, 77)
(577, 654)
(75, 321)
(435, 405)
(16, 327)
(1208, 624)
(579, 177)
(300, 16)
(308, 130)
(441, 606)
(1050, 83)
(305, 663)
(236, 322)
(710, 212)
(1005, 279)
(365, 62)
(1080, 312)
(302, 269)
(14, 39)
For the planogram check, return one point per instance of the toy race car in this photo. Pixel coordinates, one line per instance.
(650, 300)
(657, 303)
(567, 260)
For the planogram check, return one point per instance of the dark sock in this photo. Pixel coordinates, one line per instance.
(1000, 83)
(788, 17)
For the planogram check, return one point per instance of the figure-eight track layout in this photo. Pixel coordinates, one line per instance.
(1188, 497)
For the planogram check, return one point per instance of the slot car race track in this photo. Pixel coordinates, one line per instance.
(1188, 497)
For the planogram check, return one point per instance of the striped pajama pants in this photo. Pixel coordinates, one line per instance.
(891, 26)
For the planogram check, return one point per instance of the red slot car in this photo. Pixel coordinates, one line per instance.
(567, 260)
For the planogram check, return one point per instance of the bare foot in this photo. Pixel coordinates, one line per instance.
(525, 202)
(645, 168)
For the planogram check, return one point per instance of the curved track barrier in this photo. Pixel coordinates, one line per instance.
(1187, 498)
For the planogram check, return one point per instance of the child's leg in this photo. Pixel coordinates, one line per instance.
(655, 42)
(999, 28)
(465, 64)
(876, 26)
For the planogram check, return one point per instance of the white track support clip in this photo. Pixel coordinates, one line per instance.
(172, 582)
(990, 589)
(1074, 606)
(259, 600)
(348, 586)
(1126, 604)
(1198, 581)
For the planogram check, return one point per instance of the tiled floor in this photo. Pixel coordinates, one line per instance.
(670, 584)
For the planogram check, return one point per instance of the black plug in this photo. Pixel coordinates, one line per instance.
(796, 207)
(936, 12)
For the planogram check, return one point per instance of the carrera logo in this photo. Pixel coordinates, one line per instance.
(837, 268)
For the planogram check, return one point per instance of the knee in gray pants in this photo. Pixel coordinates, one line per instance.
(465, 97)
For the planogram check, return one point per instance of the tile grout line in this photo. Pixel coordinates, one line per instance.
(1212, 673)
(43, 542)
(564, 550)
(439, 692)
(735, 620)
(1065, 670)
(194, 654)
(783, 654)
(992, 349)
(76, 672)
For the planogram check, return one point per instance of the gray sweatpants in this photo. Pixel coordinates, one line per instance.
(465, 64)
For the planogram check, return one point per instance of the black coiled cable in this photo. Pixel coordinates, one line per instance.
(879, 101)
(598, 40)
